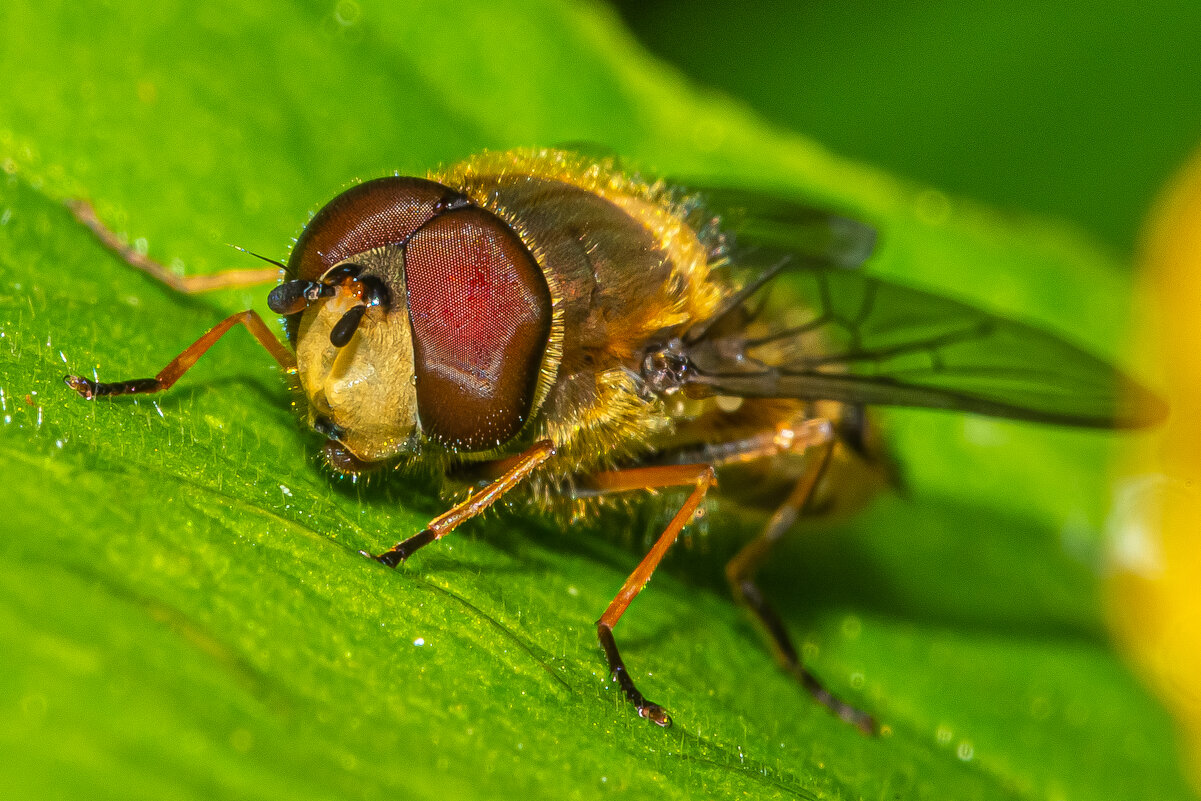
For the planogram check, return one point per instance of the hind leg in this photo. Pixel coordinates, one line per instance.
(741, 572)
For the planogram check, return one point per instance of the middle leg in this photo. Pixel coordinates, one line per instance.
(701, 477)
(796, 437)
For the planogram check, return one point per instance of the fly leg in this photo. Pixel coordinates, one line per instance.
(741, 572)
(90, 389)
(701, 477)
(518, 470)
(189, 284)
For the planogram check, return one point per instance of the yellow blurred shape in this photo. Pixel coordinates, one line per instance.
(1155, 585)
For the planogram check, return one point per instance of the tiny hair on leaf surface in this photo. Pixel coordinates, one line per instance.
(183, 608)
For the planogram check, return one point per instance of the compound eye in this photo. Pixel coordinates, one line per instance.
(481, 314)
(385, 211)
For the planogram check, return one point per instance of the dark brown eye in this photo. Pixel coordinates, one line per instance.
(376, 213)
(481, 314)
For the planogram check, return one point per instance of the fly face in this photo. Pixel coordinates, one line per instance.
(417, 318)
(354, 356)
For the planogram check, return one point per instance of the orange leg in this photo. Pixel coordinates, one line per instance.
(741, 572)
(477, 502)
(89, 389)
(190, 284)
(702, 477)
(797, 436)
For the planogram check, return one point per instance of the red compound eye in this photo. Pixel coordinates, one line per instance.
(481, 314)
(385, 211)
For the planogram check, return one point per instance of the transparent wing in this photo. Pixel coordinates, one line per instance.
(834, 334)
(760, 220)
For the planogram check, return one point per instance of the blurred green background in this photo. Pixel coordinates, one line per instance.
(1075, 109)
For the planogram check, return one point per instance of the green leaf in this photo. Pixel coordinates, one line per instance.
(183, 610)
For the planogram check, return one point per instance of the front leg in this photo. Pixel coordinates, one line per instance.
(477, 502)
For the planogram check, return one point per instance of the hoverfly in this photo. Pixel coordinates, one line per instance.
(535, 322)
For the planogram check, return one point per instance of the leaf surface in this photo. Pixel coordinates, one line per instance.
(183, 610)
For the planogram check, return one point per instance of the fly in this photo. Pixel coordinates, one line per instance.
(567, 331)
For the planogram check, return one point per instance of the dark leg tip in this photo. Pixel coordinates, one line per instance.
(655, 713)
(403, 550)
(389, 558)
(861, 721)
(85, 387)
